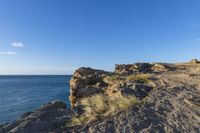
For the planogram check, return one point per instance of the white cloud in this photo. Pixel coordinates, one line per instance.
(7, 53)
(17, 44)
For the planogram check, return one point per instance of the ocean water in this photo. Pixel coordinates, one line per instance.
(20, 94)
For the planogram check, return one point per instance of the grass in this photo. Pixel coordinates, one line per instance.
(141, 78)
(100, 106)
(113, 78)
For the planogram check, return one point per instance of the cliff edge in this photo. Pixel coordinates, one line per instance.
(139, 97)
(168, 95)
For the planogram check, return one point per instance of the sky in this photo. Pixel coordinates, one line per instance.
(59, 36)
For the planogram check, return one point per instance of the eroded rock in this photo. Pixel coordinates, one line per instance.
(133, 68)
(48, 117)
(160, 68)
(141, 68)
(86, 82)
(171, 107)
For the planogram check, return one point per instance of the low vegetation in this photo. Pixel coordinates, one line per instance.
(142, 78)
(113, 78)
(100, 106)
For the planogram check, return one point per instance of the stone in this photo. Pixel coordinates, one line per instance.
(159, 68)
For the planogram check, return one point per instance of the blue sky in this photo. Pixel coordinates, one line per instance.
(58, 36)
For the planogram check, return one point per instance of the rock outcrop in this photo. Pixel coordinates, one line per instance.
(86, 82)
(50, 116)
(171, 106)
(141, 68)
(133, 68)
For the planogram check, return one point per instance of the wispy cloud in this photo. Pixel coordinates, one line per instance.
(18, 44)
(7, 53)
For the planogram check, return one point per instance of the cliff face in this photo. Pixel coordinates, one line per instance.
(87, 81)
(170, 98)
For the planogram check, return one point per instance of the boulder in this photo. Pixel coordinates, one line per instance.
(159, 68)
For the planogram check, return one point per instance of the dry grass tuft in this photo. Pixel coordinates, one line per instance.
(100, 106)
(142, 78)
(113, 78)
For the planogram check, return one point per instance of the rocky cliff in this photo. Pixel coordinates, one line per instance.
(87, 81)
(139, 97)
(170, 96)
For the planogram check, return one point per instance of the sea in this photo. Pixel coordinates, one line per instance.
(21, 94)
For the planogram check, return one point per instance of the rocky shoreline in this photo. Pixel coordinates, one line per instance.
(139, 97)
(48, 117)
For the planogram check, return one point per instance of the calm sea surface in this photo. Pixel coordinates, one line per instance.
(20, 94)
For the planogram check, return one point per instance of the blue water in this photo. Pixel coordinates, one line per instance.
(20, 94)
